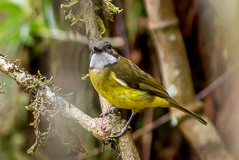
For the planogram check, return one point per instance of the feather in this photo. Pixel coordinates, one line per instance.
(140, 80)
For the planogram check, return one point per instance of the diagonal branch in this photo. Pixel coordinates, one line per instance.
(99, 127)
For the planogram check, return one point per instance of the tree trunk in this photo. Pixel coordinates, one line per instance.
(166, 35)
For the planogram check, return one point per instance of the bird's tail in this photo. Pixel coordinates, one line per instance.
(194, 115)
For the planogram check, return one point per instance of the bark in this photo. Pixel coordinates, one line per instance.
(96, 126)
(168, 41)
(126, 146)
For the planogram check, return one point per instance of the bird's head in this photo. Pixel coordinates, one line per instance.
(102, 55)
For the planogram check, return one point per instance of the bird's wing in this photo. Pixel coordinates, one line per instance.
(129, 73)
(138, 79)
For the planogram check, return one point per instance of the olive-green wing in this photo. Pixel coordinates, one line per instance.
(130, 74)
(134, 77)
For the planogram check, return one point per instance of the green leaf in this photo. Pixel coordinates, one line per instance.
(20, 24)
(9, 7)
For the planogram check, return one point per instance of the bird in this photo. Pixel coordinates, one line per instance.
(125, 85)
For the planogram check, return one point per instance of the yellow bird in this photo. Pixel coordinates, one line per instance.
(125, 85)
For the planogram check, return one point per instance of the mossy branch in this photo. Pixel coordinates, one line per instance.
(45, 102)
(74, 11)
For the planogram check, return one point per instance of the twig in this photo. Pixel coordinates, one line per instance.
(151, 126)
(211, 87)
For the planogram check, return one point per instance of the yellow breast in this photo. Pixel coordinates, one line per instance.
(119, 94)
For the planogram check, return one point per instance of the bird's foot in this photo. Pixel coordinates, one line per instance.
(111, 110)
(121, 132)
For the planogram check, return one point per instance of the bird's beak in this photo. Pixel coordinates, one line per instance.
(98, 49)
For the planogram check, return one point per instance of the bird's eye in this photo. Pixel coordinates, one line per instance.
(109, 46)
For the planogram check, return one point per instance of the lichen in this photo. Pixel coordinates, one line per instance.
(73, 12)
(101, 25)
(41, 137)
(109, 10)
(39, 107)
(43, 107)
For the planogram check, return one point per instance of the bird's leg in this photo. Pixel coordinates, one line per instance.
(125, 128)
(110, 110)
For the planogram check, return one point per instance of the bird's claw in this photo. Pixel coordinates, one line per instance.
(111, 110)
(121, 132)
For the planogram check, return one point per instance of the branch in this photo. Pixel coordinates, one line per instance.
(99, 127)
(217, 82)
(126, 146)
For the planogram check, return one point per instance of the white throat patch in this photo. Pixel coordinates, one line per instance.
(99, 61)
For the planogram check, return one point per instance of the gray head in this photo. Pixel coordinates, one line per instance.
(102, 55)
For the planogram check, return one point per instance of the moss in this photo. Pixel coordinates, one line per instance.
(73, 11)
(39, 107)
(42, 107)
(109, 10)
(101, 25)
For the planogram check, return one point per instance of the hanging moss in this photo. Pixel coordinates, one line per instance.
(74, 13)
(109, 10)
